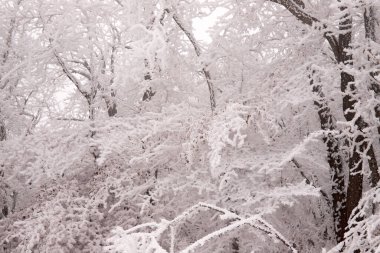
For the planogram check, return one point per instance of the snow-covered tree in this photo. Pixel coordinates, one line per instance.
(121, 130)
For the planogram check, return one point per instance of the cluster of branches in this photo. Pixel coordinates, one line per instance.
(346, 192)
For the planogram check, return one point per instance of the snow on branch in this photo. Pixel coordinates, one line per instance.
(297, 9)
(227, 128)
(255, 221)
(151, 239)
(198, 52)
(69, 75)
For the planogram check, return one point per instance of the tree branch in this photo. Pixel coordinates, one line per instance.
(69, 119)
(198, 52)
(84, 74)
(254, 221)
(70, 75)
(119, 3)
(309, 182)
(296, 7)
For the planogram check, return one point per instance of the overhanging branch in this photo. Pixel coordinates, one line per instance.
(296, 7)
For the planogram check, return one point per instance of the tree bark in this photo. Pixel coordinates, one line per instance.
(235, 245)
(370, 22)
(148, 93)
(335, 161)
(347, 86)
(374, 171)
(3, 131)
(110, 102)
(341, 46)
(111, 105)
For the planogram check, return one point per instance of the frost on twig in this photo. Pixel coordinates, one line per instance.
(134, 241)
(227, 129)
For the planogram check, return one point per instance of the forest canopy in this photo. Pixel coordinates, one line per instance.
(125, 129)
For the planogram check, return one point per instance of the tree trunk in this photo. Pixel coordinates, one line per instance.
(111, 109)
(111, 105)
(335, 162)
(370, 22)
(3, 131)
(355, 178)
(148, 93)
(235, 245)
(341, 46)
(347, 86)
(90, 97)
(372, 162)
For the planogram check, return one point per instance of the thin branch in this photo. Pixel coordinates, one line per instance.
(84, 74)
(198, 52)
(70, 75)
(4, 79)
(309, 182)
(84, 63)
(116, 41)
(254, 221)
(119, 3)
(69, 119)
(188, 34)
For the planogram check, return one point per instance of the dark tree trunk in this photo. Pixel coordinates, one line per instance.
(347, 86)
(3, 132)
(340, 46)
(235, 245)
(111, 109)
(335, 162)
(111, 105)
(90, 98)
(355, 178)
(149, 93)
(372, 162)
(359, 142)
(370, 23)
